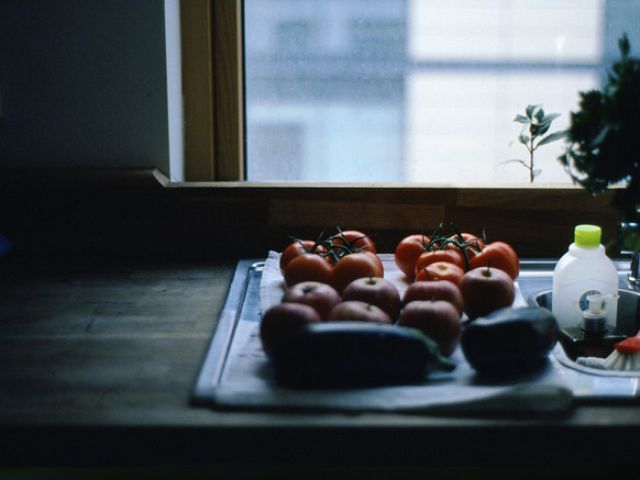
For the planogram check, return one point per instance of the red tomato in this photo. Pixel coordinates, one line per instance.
(471, 244)
(307, 266)
(354, 240)
(379, 263)
(498, 255)
(441, 271)
(408, 251)
(297, 248)
(354, 266)
(450, 256)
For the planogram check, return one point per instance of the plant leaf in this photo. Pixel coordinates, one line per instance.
(521, 119)
(564, 159)
(524, 139)
(544, 128)
(540, 115)
(530, 110)
(623, 45)
(631, 240)
(536, 172)
(550, 118)
(552, 137)
(602, 134)
(514, 160)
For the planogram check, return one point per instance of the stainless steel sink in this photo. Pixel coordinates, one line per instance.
(535, 284)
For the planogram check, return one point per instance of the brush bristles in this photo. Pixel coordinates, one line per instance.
(622, 361)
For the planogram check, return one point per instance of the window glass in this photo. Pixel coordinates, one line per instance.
(418, 90)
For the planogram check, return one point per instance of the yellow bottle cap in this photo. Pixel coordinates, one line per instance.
(587, 236)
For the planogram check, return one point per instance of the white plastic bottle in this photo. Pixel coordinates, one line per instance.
(583, 271)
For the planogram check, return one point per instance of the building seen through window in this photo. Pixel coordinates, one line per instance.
(418, 90)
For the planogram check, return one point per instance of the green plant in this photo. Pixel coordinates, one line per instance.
(603, 137)
(535, 125)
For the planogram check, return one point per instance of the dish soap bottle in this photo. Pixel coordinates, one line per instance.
(584, 270)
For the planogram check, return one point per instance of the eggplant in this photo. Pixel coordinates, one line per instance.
(350, 354)
(510, 340)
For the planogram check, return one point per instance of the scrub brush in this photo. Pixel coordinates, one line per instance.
(625, 356)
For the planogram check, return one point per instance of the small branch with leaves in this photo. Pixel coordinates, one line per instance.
(535, 125)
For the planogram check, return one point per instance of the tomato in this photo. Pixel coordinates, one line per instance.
(468, 238)
(408, 251)
(498, 255)
(441, 271)
(314, 267)
(450, 256)
(353, 240)
(297, 248)
(471, 244)
(307, 266)
(353, 266)
(378, 262)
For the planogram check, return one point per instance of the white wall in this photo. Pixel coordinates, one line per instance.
(83, 83)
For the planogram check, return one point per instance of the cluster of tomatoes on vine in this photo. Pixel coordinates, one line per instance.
(339, 258)
(447, 256)
(336, 259)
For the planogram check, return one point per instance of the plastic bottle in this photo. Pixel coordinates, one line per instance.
(583, 271)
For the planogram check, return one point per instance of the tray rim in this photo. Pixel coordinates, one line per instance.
(217, 351)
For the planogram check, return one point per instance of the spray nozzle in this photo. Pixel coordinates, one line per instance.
(597, 304)
(595, 317)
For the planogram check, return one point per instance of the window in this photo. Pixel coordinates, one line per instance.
(417, 90)
(280, 145)
(355, 118)
(378, 37)
(295, 37)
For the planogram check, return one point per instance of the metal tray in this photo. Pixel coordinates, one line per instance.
(241, 314)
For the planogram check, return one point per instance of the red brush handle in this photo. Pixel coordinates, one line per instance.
(630, 345)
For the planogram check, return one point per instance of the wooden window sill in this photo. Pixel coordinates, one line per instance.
(141, 211)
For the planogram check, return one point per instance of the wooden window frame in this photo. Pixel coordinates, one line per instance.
(212, 75)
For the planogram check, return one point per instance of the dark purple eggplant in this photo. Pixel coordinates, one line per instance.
(510, 340)
(356, 354)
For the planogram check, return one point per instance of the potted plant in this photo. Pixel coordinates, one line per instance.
(603, 139)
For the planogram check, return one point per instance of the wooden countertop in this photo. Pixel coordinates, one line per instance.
(98, 359)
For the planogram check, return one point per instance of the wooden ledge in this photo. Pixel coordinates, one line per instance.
(140, 211)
